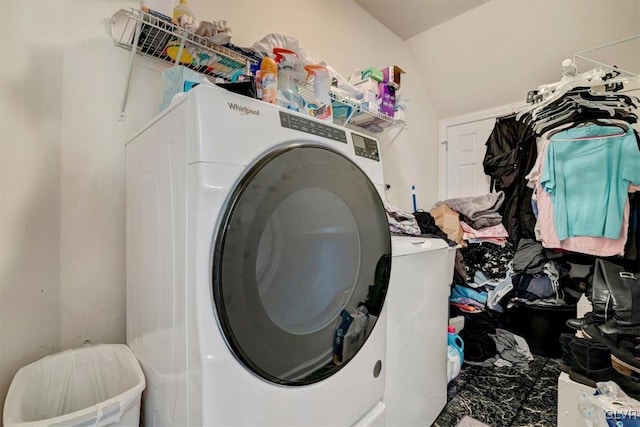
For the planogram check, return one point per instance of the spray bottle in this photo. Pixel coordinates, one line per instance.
(455, 353)
(287, 96)
(269, 80)
(320, 106)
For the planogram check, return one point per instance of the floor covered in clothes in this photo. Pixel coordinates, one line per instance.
(502, 397)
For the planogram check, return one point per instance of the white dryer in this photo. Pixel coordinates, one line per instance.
(417, 315)
(249, 230)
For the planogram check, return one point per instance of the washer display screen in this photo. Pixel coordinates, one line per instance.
(365, 147)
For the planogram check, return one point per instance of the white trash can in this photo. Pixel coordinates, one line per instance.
(97, 385)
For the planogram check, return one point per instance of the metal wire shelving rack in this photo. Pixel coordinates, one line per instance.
(152, 35)
(359, 116)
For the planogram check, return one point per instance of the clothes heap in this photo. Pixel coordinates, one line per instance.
(419, 223)
(492, 272)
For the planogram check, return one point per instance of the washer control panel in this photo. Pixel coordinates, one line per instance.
(311, 126)
(365, 147)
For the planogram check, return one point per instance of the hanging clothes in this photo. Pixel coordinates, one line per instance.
(545, 229)
(588, 158)
(587, 173)
(511, 152)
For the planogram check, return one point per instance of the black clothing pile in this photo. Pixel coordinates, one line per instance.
(428, 226)
(490, 259)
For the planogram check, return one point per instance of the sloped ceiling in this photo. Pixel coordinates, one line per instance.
(408, 18)
(494, 54)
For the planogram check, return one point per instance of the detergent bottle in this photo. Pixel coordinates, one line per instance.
(288, 97)
(320, 106)
(182, 8)
(453, 363)
(455, 353)
(269, 80)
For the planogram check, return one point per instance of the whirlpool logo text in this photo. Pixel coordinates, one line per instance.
(242, 109)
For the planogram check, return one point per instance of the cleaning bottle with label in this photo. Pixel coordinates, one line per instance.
(455, 353)
(320, 106)
(182, 8)
(288, 97)
(454, 365)
(269, 80)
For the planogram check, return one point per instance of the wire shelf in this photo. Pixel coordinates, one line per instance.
(165, 41)
(357, 114)
(154, 35)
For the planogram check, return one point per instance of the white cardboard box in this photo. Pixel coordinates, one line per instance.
(568, 413)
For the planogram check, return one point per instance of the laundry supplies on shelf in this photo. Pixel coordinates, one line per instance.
(320, 106)
(182, 9)
(288, 97)
(269, 80)
(152, 35)
(205, 47)
(177, 80)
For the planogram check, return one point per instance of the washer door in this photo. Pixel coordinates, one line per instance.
(304, 236)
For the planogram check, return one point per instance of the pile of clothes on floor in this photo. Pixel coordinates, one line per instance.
(496, 275)
(486, 344)
(491, 272)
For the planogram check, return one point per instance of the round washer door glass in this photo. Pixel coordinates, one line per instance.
(301, 264)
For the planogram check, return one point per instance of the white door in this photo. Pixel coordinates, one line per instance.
(465, 152)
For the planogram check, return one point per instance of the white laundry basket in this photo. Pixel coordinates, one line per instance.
(90, 386)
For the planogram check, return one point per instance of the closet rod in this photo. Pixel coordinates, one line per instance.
(637, 36)
(602, 64)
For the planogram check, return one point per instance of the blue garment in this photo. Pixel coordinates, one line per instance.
(464, 292)
(588, 180)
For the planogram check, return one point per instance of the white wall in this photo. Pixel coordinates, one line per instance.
(62, 157)
(495, 53)
(62, 178)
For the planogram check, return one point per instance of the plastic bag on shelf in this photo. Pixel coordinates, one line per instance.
(271, 41)
(609, 406)
(217, 32)
(189, 23)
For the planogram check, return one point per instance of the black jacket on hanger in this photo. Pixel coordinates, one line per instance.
(511, 153)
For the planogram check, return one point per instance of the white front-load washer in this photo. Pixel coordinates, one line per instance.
(252, 233)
